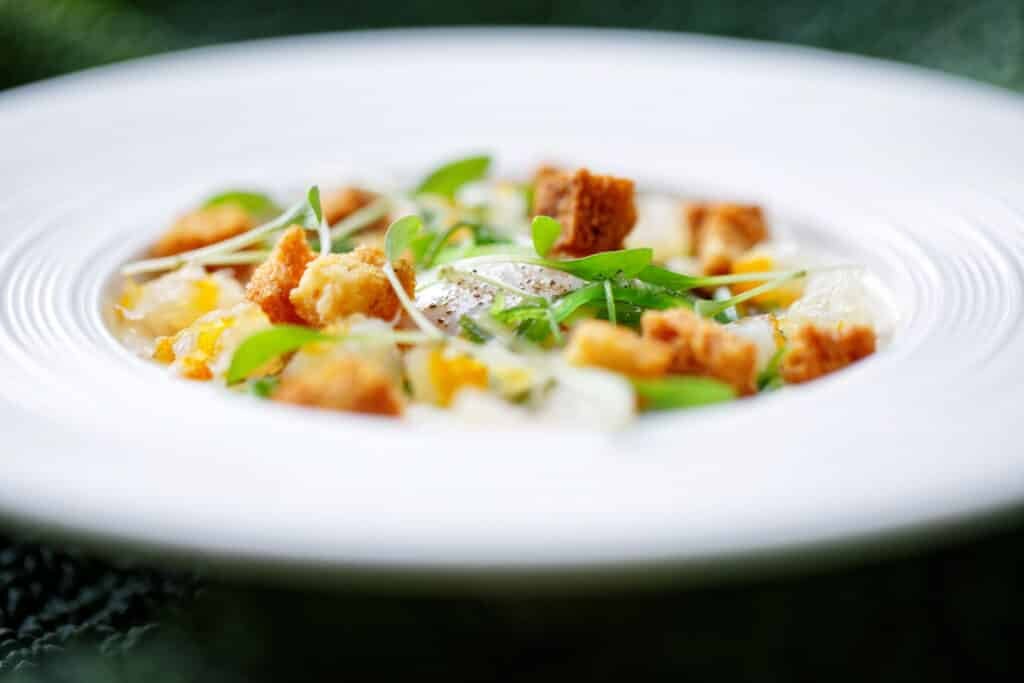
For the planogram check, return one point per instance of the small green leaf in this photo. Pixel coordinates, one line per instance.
(545, 231)
(671, 393)
(264, 346)
(400, 236)
(472, 330)
(607, 265)
(255, 203)
(448, 179)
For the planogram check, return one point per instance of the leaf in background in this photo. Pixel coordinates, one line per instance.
(607, 265)
(255, 203)
(446, 180)
(670, 393)
(400, 236)
(545, 231)
(262, 347)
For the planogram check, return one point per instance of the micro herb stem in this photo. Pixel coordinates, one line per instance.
(712, 308)
(224, 247)
(609, 300)
(360, 219)
(417, 316)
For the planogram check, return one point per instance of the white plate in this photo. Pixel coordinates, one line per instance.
(914, 174)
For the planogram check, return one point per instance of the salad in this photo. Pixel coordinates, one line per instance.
(570, 297)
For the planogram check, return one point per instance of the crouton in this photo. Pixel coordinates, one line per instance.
(202, 228)
(719, 233)
(596, 211)
(814, 351)
(601, 344)
(342, 203)
(337, 285)
(703, 347)
(274, 279)
(344, 382)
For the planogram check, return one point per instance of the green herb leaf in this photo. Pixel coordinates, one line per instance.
(545, 231)
(255, 203)
(264, 346)
(607, 265)
(448, 179)
(400, 236)
(263, 387)
(671, 393)
(472, 331)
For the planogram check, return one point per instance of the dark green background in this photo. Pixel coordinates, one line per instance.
(948, 612)
(983, 39)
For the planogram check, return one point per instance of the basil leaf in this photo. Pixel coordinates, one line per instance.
(448, 179)
(255, 203)
(400, 236)
(670, 393)
(607, 265)
(545, 232)
(264, 346)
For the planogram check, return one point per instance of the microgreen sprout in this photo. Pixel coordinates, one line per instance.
(301, 213)
(609, 300)
(323, 230)
(711, 309)
(544, 231)
(254, 203)
(362, 218)
(396, 242)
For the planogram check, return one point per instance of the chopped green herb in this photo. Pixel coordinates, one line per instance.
(671, 393)
(448, 179)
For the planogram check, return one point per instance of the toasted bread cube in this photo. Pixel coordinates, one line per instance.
(602, 344)
(720, 233)
(335, 286)
(201, 228)
(343, 202)
(596, 211)
(343, 382)
(815, 351)
(274, 279)
(703, 347)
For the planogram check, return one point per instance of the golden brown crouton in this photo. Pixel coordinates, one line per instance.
(719, 233)
(276, 277)
(601, 344)
(814, 351)
(703, 347)
(337, 285)
(596, 211)
(342, 203)
(347, 383)
(202, 228)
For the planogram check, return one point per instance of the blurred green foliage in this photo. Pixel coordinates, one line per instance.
(981, 38)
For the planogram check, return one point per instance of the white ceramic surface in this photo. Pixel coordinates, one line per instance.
(915, 174)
